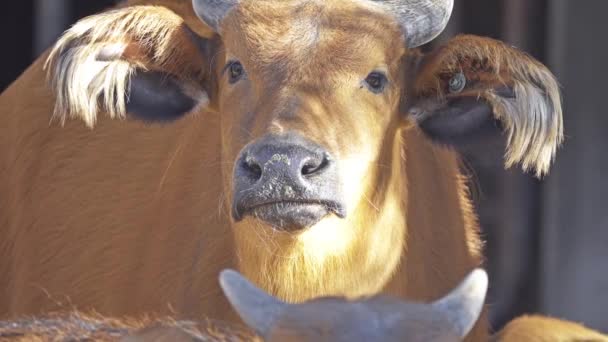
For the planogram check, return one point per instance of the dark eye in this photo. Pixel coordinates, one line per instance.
(457, 83)
(376, 82)
(235, 71)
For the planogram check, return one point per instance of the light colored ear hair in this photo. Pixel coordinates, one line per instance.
(532, 120)
(87, 68)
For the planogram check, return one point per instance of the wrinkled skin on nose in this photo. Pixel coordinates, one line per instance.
(286, 181)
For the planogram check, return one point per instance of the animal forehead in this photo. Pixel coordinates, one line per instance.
(304, 32)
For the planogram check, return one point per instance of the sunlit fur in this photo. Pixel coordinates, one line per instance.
(532, 119)
(535, 328)
(78, 326)
(131, 218)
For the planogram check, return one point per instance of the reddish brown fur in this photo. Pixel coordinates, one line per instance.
(78, 326)
(132, 218)
(546, 329)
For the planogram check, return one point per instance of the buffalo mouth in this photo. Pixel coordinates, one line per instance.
(286, 181)
(291, 215)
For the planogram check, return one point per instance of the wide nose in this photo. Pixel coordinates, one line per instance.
(294, 163)
(287, 181)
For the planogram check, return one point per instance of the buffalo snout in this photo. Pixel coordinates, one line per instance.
(286, 181)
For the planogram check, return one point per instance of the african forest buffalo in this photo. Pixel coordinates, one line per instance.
(306, 143)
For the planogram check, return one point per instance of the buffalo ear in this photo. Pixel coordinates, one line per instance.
(155, 96)
(166, 94)
(150, 65)
(475, 88)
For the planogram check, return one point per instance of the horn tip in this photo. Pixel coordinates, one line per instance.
(478, 280)
(228, 279)
(479, 273)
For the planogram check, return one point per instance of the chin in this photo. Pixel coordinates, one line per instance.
(293, 216)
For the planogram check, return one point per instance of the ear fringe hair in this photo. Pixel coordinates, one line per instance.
(533, 124)
(86, 67)
(533, 119)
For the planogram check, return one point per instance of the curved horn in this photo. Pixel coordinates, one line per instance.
(422, 20)
(463, 305)
(212, 12)
(258, 309)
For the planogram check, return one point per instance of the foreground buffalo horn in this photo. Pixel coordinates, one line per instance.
(463, 305)
(257, 309)
(422, 20)
(450, 318)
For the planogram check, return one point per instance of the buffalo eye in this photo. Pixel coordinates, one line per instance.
(236, 71)
(376, 81)
(457, 83)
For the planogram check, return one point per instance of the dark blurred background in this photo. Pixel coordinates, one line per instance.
(547, 241)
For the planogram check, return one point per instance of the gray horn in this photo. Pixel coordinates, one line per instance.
(258, 309)
(212, 12)
(463, 305)
(422, 20)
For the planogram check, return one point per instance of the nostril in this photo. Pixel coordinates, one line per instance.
(314, 166)
(252, 168)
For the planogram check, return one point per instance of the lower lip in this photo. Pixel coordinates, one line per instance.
(290, 216)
